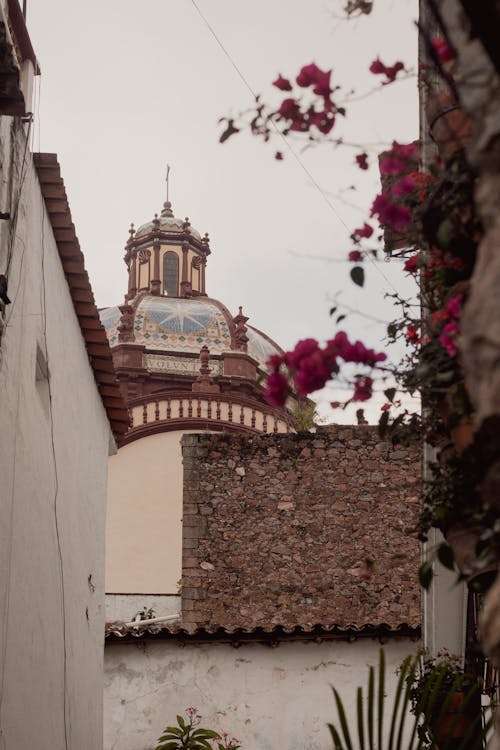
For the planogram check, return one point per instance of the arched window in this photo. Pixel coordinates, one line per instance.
(171, 274)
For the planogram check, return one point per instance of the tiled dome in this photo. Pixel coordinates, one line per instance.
(185, 325)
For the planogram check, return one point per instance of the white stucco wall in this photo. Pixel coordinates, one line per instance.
(53, 465)
(144, 520)
(270, 698)
(124, 606)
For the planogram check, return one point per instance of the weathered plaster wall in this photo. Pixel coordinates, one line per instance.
(124, 606)
(270, 698)
(53, 464)
(144, 516)
(277, 529)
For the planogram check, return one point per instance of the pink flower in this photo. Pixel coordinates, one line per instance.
(363, 388)
(390, 71)
(289, 109)
(365, 231)
(412, 334)
(444, 51)
(283, 84)
(391, 165)
(453, 306)
(308, 75)
(314, 372)
(322, 87)
(403, 186)
(277, 389)
(411, 264)
(448, 336)
(362, 160)
(385, 407)
(395, 217)
(303, 349)
(324, 121)
(355, 256)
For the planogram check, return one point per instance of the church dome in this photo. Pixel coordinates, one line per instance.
(166, 222)
(183, 325)
(183, 360)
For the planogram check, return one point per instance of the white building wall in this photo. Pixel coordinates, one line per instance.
(53, 464)
(269, 698)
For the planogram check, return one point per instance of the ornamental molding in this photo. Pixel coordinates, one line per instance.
(186, 366)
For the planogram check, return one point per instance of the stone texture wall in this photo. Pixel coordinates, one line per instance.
(277, 530)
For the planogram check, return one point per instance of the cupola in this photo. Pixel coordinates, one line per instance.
(166, 257)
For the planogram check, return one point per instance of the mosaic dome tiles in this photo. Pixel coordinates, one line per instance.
(164, 323)
(184, 325)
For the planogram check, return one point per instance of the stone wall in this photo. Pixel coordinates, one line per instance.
(278, 529)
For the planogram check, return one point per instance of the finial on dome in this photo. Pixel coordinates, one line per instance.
(167, 210)
(186, 224)
(240, 334)
(206, 238)
(156, 222)
(131, 231)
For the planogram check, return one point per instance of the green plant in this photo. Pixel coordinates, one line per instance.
(386, 724)
(188, 735)
(146, 613)
(446, 697)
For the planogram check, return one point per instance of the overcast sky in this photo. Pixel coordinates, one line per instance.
(128, 87)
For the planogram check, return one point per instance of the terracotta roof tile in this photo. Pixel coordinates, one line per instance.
(94, 335)
(119, 631)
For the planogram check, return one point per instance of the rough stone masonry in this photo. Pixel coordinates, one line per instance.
(278, 529)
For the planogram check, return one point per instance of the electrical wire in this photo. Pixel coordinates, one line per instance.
(285, 140)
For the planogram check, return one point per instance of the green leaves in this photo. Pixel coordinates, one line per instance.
(358, 275)
(187, 735)
(425, 574)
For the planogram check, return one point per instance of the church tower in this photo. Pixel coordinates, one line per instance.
(185, 364)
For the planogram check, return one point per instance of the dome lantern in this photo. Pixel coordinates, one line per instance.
(166, 257)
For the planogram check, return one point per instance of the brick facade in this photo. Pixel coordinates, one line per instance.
(277, 530)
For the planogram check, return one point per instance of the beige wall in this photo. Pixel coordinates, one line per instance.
(53, 463)
(144, 531)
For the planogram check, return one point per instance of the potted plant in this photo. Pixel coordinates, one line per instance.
(448, 699)
(384, 723)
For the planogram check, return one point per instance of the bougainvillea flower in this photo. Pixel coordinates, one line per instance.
(303, 349)
(322, 83)
(277, 389)
(308, 75)
(389, 71)
(411, 264)
(403, 186)
(363, 388)
(362, 160)
(392, 165)
(448, 336)
(444, 51)
(355, 256)
(453, 306)
(283, 84)
(289, 109)
(324, 121)
(365, 231)
(315, 370)
(391, 215)
(412, 334)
